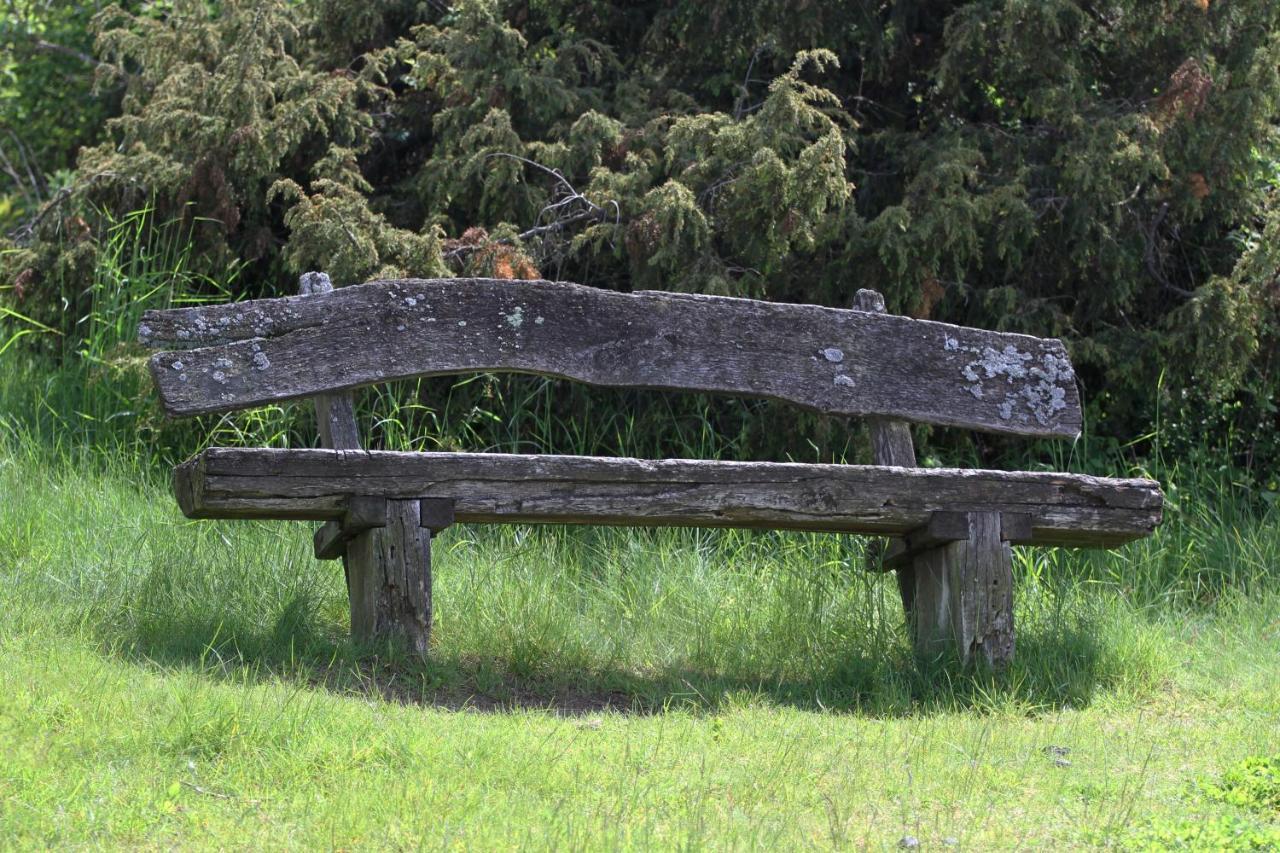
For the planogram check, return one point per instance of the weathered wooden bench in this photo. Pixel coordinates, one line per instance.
(952, 528)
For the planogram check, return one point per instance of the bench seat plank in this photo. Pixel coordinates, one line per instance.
(1064, 509)
(837, 361)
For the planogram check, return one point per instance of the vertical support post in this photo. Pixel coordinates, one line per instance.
(891, 445)
(959, 594)
(390, 579)
(964, 594)
(388, 568)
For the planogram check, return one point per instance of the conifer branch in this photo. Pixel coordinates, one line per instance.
(588, 210)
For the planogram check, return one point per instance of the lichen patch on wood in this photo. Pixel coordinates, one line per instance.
(1020, 387)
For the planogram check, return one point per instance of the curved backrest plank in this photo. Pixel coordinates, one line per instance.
(829, 360)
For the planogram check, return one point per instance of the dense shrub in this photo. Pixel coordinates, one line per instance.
(1104, 172)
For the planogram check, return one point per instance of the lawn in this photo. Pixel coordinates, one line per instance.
(166, 683)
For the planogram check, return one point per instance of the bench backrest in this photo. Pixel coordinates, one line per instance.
(837, 361)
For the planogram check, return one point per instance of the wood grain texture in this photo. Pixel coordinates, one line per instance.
(964, 595)
(944, 527)
(391, 595)
(843, 362)
(362, 514)
(1067, 509)
(891, 444)
(386, 557)
(335, 413)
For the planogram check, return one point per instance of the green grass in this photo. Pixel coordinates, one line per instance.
(166, 683)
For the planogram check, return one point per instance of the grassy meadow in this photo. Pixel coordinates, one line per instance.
(166, 683)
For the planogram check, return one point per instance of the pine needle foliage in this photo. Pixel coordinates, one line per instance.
(1104, 172)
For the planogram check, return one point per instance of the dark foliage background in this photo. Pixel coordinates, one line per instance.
(1104, 171)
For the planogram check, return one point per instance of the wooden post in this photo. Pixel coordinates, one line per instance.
(388, 568)
(964, 594)
(890, 445)
(959, 593)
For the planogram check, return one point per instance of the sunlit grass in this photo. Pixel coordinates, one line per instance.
(171, 683)
(164, 683)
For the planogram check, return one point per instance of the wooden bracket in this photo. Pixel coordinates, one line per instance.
(944, 527)
(362, 513)
(365, 513)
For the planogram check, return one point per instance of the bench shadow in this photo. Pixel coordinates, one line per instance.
(1055, 667)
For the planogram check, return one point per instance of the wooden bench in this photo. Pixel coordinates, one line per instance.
(952, 528)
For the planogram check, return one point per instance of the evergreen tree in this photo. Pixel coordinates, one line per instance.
(1101, 171)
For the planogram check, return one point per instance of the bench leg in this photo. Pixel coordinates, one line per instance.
(964, 595)
(389, 578)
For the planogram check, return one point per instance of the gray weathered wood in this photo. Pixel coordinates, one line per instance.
(831, 360)
(891, 444)
(436, 514)
(1066, 509)
(944, 527)
(362, 513)
(335, 413)
(964, 595)
(378, 553)
(391, 586)
(393, 598)
(336, 423)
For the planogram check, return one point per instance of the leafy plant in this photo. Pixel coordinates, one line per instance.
(1107, 177)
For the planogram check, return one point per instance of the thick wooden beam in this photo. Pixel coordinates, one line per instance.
(964, 594)
(837, 361)
(1064, 509)
(391, 595)
(436, 514)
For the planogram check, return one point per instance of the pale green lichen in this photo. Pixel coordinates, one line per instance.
(1042, 389)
